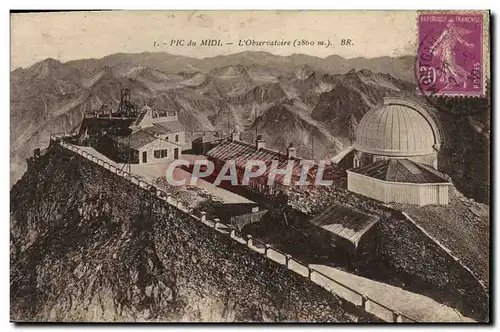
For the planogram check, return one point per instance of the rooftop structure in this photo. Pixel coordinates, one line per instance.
(242, 152)
(399, 128)
(154, 136)
(401, 170)
(148, 117)
(394, 158)
(345, 222)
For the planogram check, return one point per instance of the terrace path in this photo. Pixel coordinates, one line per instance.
(417, 306)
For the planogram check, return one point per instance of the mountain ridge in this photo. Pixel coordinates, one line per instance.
(323, 106)
(401, 67)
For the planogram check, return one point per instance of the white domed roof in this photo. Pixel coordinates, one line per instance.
(399, 128)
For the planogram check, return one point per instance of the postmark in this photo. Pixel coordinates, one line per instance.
(450, 54)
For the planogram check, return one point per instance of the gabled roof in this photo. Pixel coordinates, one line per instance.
(136, 140)
(345, 222)
(164, 128)
(401, 170)
(242, 152)
(140, 138)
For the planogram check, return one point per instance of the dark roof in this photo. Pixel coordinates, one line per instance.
(345, 222)
(203, 137)
(241, 152)
(136, 140)
(163, 128)
(341, 155)
(401, 170)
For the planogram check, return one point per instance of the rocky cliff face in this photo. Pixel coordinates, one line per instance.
(88, 246)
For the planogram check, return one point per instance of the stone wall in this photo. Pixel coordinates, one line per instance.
(103, 249)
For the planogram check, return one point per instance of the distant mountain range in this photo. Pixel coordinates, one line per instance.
(399, 67)
(298, 99)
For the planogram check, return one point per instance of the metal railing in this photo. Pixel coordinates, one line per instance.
(267, 250)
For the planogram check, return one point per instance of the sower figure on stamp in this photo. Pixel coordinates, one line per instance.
(444, 48)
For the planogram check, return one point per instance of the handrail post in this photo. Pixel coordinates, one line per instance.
(365, 304)
(203, 216)
(287, 259)
(216, 222)
(396, 317)
(249, 240)
(266, 248)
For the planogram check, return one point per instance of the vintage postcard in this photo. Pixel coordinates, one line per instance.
(250, 166)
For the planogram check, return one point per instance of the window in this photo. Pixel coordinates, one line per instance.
(161, 153)
(177, 138)
(356, 162)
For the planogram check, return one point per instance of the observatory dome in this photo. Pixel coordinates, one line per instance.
(398, 128)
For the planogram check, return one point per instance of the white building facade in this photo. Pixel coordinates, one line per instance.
(167, 135)
(398, 192)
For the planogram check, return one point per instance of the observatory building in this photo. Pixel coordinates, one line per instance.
(397, 129)
(155, 136)
(394, 158)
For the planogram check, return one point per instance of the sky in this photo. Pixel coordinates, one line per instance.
(81, 35)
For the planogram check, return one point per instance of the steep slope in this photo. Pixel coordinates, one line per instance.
(288, 122)
(87, 245)
(331, 109)
(351, 97)
(47, 97)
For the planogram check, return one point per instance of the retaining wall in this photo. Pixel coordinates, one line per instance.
(269, 263)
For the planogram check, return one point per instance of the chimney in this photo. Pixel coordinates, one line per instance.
(235, 136)
(260, 142)
(291, 152)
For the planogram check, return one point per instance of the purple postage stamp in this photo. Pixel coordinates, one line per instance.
(450, 54)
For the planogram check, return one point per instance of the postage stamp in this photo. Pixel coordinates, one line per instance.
(450, 54)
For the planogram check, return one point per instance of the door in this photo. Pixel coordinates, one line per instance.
(144, 157)
(176, 153)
